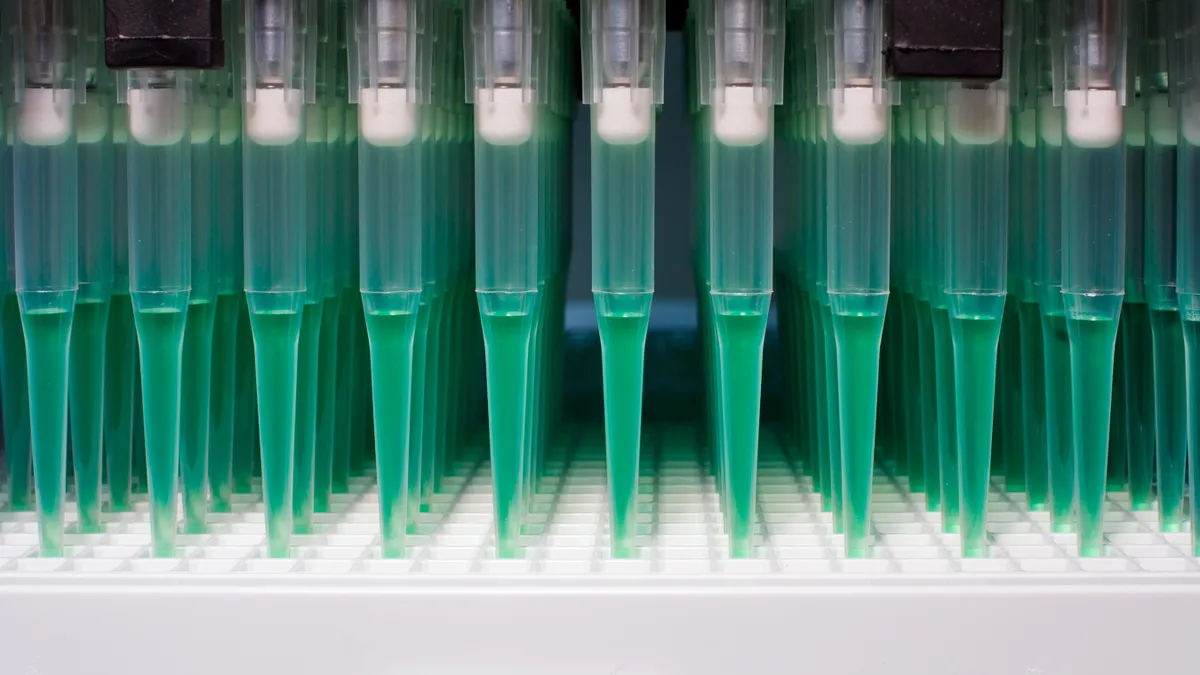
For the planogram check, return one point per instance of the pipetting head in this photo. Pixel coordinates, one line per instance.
(273, 117)
(739, 119)
(386, 118)
(625, 115)
(857, 119)
(93, 120)
(1094, 118)
(44, 116)
(503, 117)
(978, 116)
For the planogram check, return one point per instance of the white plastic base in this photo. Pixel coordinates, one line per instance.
(915, 607)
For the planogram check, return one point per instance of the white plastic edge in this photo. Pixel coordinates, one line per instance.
(625, 115)
(978, 116)
(740, 120)
(386, 118)
(44, 116)
(273, 118)
(857, 118)
(1094, 118)
(502, 117)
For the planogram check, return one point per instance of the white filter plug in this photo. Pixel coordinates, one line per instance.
(386, 117)
(502, 117)
(739, 119)
(44, 116)
(1094, 118)
(157, 116)
(625, 115)
(978, 116)
(857, 118)
(274, 116)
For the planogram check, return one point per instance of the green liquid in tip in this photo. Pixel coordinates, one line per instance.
(17, 451)
(306, 417)
(947, 418)
(623, 351)
(47, 336)
(120, 373)
(391, 339)
(223, 401)
(245, 419)
(327, 407)
(160, 346)
(1136, 356)
(976, 342)
(276, 347)
(507, 341)
(929, 409)
(1093, 346)
(196, 397)
(88, 338)
(419, 423)
(858, 343)
(739, 370)
(1033, 376)
(1060, 430)
(1170, 411)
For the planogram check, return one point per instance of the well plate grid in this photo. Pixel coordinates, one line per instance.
(567, 532)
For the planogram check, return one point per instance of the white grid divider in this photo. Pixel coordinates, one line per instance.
(1032, 607)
